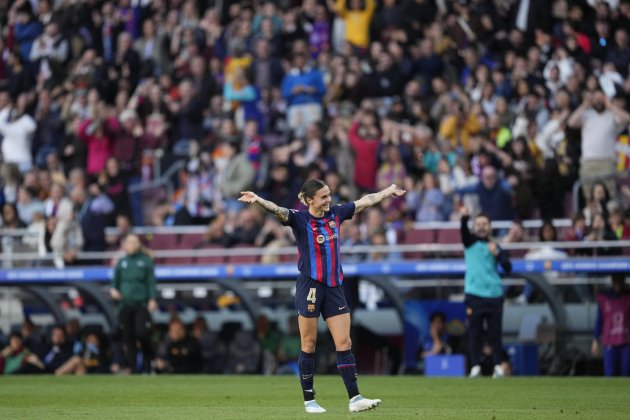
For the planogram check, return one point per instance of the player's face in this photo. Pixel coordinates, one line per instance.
(482, 227)
(321, 201)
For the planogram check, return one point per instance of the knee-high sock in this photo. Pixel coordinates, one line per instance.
(306, 362)
(347, 368)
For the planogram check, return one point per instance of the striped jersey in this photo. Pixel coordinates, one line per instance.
(318, 242)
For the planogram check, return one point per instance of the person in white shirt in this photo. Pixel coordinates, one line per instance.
(17, 128)
(601, 121)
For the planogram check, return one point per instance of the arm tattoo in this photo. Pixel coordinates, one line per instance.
(375, 198)
(370, 200)
(281, 213)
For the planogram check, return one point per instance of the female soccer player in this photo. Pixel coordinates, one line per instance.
(319, 290)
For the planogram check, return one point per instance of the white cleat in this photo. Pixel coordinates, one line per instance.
(313, 408)
(498, 372)
(358, 403)
(475, 372)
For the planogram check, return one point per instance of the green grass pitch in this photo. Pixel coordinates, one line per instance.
(258, 397)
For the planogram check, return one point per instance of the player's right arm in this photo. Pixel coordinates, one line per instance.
(467, 238)
(281, 213)
(114, 291)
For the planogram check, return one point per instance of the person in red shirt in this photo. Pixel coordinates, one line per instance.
(365, 136)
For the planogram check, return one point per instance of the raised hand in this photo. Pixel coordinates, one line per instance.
(248, 197)
(396, 191)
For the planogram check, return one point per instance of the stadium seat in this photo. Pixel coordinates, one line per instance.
(243, 259)
(449, 236)
(517, 253)
(190, 240)
(166, 242)
(211, 259)
(417, 236)
(163, 241)
(289, 258)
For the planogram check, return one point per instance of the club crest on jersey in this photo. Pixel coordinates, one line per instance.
(311, 307)
(320, 239)
(332, 224)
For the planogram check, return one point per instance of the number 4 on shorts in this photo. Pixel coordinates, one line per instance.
(311, 295)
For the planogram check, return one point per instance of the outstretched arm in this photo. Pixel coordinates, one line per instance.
(281, 213)
(372, 199)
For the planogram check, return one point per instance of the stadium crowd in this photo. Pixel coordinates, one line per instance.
(73, 349)
(499, 105)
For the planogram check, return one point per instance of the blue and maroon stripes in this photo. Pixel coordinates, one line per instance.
(320, 259)
(347, 365)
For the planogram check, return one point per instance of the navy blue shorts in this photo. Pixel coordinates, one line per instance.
(313, 298)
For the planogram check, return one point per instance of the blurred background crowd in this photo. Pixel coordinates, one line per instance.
(500, 105)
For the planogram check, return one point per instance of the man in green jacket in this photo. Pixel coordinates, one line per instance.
(483, 290)
(133, 287)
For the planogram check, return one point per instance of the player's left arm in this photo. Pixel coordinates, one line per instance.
(375, 198)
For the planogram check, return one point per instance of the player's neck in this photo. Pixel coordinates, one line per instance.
(316, 213)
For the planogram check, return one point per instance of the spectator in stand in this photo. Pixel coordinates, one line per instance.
(66, 241)
(601, 121)
(303, 88)
(392, 170)
(246, 228)
(57, 204)
(364, 136)
(10, 217)
(49, 53)
(237, 175)
(17, 128)
(494, 195)
(93, 214)
(151, 47)
(357, 16)
(600, 231)
(127, 142)
(598, 202)
(28, 204)
(612, 331)
(179, 353)
(267, 68)
(113, 181)
(50, 129)
(25, 26)
(427, 201)
(187, 117)
(459, 125)
(241, 98)
(547, 233)
(617, 225)
(98, 133)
